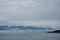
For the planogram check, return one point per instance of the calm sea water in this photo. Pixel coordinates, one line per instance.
(28, 35)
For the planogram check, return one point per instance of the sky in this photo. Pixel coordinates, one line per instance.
(30, 12)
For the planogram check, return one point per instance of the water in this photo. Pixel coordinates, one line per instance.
(28, 35)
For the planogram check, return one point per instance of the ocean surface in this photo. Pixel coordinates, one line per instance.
(28, 35)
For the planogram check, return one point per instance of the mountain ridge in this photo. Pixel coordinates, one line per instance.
(3, 27)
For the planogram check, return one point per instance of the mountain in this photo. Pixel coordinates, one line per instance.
(6, 27)
(35, 28)
(19, 27)
(49, 28)
(3, 27)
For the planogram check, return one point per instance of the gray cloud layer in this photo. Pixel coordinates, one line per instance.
(27, 11)
(30, 9)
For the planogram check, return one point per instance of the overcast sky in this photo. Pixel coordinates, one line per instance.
(30, 11)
